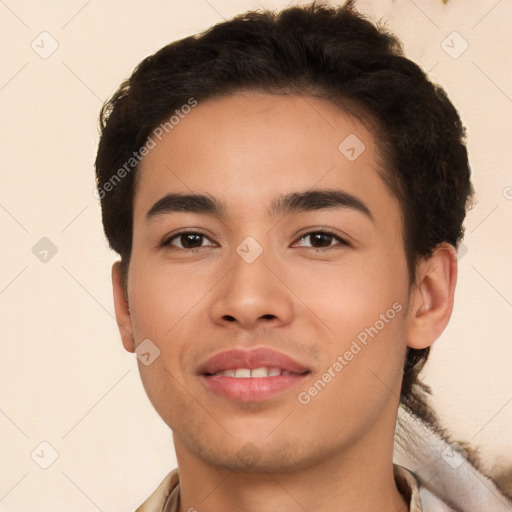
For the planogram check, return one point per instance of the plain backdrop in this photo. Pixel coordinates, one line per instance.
(65, 379)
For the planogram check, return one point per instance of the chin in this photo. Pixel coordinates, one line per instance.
(253, 457)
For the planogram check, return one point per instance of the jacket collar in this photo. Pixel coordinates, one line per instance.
(442, 468)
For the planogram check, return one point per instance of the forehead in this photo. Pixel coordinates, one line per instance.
(247, 147)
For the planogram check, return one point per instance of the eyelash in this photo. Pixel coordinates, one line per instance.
(342, 241)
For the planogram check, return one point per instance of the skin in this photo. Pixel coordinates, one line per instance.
(306, 298)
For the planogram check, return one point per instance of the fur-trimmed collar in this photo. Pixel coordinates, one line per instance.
(447, 479)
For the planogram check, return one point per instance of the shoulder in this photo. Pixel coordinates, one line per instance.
(157, 500)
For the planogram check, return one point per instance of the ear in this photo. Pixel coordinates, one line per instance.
(431, 301)
(123, 317)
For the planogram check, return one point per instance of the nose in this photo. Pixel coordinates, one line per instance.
(252, 294)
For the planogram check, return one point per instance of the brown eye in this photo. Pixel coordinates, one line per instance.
(321, 240)
(188, 240)
(191, 240)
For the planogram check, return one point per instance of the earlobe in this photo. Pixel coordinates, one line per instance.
(122, 309)
(431, 302)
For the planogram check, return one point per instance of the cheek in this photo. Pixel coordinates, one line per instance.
(363, 363)
(162, 298)
(350, 296)
(162, 303)
(164, 389)
(361, 306)
(166, 306)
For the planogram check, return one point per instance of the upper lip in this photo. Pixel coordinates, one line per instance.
(256, 358)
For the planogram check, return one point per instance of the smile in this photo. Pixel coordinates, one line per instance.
(246, 373)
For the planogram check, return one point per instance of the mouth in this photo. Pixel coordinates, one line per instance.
(257, 373)
(251, 375)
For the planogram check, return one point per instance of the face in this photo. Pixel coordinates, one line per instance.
(293, 259)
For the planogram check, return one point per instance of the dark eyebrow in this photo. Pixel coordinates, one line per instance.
(310, 200)
(193, 203)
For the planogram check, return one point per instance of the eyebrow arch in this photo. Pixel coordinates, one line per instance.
(310, 200)
(193, 203)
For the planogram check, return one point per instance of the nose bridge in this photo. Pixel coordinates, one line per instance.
(251, 292)
(250, 272)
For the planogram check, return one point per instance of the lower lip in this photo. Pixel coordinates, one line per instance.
(252, 389)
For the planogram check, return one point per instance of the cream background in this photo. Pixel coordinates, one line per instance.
(65, 377)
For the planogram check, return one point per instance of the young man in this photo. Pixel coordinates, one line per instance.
(286, 192)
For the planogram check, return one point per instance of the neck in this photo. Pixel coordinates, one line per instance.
(356, 477)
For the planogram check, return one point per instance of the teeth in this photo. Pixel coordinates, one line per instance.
(259, 372)
(245, 373)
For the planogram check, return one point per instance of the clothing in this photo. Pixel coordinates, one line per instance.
(166, 496)
(430, 472)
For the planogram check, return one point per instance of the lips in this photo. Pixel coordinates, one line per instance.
(251, 360)
(251, 375)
